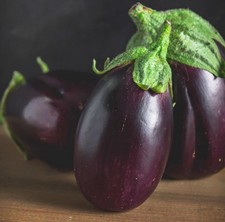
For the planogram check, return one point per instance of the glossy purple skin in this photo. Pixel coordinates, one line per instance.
(198, 148)
(122, 142)
(42, 115)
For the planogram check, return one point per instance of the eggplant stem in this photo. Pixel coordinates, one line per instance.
(94, 68)
(43, 65)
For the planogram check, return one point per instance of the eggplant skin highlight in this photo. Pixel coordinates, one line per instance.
(122, 142)
(198, 147)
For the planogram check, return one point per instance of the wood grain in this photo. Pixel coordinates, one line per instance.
(31, 191)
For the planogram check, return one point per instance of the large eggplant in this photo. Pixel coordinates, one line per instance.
(122, 142)
(198, 147)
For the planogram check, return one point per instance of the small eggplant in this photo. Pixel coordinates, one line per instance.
(41, 113)
(124, 134)
(122, 142)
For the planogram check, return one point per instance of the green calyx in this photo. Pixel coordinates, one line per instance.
(151, 70)
(17, 80)
(192, 40)
(187, 39)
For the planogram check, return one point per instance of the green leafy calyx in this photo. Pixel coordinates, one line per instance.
(192, 41)
(151, 70)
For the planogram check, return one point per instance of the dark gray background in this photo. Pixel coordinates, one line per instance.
(68, 34)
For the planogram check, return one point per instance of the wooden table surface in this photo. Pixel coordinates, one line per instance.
(31, 191)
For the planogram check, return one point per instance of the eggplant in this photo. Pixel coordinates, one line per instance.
(197, 61)
(122, 142)
(41, 114)
(198, 147)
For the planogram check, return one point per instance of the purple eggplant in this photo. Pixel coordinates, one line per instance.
(41, 115)
(122, 142)
(198, 147)
(197, 60)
